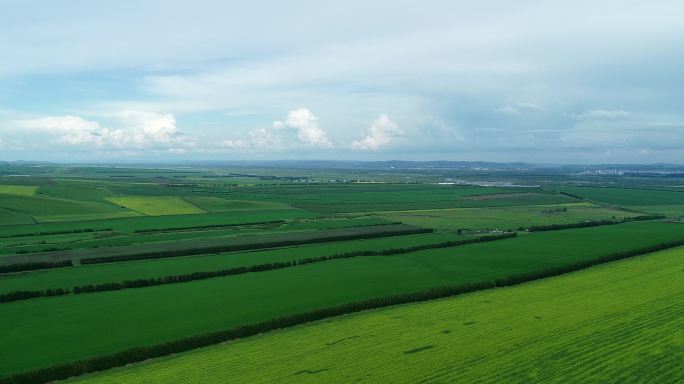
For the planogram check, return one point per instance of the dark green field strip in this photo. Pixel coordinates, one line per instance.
(146, 222)
(213, 245)
(201, 275)
(110, 322)
(147, 269)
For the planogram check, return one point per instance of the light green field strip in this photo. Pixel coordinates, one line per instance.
(617, 323)
(157, 205)
(21, 190)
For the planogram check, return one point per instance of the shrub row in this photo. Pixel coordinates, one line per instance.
(30, 266)
(140, 283)
(593, 223)
(143, 353)
(61, 232)
(23, 295)
(207, 226)
(245, 247)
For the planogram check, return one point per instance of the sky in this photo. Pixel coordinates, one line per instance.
(535, 81)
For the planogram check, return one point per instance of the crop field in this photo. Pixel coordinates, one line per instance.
(105, 266)
(21, 190)
(205, 305)
(505, 218)
(628, 196)
(617, 322)
(157, 205)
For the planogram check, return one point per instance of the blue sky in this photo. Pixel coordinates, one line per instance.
(536, 81)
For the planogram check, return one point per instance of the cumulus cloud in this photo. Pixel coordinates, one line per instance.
(600, 114)
(380, 134)
(138, 130)
(306, 124)
(259, 138)
(519, 109)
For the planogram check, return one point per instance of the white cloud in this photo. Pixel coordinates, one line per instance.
(519, 109)
(306, 124)
(380, 134)
(600, 114)
(139, 130)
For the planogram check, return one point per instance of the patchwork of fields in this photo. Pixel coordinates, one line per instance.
(137, 263)
(615, 323)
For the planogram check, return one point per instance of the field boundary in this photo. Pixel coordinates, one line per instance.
(133, 355)
(203, 275)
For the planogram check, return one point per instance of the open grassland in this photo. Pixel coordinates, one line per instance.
(628, 197)
(621, 322)
(107, 322)
(20, 190)
(505, 218)
(114, 272)
(157, 205)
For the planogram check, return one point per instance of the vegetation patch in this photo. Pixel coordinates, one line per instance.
(157, 205)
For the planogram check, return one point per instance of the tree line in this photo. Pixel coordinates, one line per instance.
(172, 279)
(246, 247)
(207, 226)
(60, 232)
(140, 283)
(30, 266)
(23, 295)
(133, 355)
(592, 223)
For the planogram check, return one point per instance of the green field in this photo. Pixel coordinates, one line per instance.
(615, 323)
(157, 206)
(187, 256)
(20, 190)
(112, 272)
(628, 197)
(505, 218)
(37, 328)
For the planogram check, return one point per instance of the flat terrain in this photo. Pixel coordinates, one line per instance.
(615, 323)
(100, 260)
(37, 328)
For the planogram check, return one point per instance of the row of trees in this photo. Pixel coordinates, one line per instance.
(61, 232)
(207, 226)
(30, 266)
(139, 283)
(143, 353)
(23, 295)
(593, 223)
(246, 247)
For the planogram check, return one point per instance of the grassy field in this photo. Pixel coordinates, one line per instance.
(36, 329)
(157, 205)
(505, 218)
(20, 190)
(615, 323)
